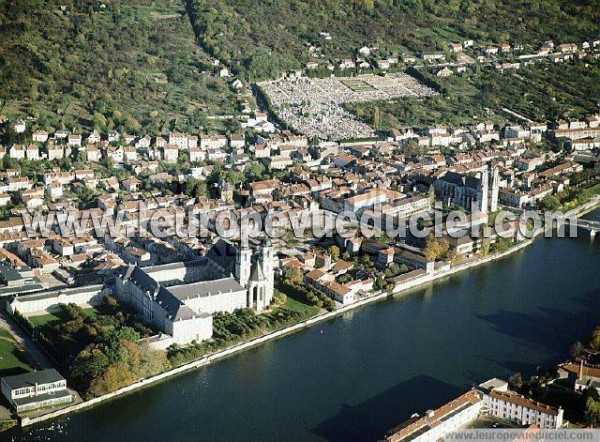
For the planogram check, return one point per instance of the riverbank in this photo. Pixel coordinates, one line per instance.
(407, 285)
(355, 377)
(413, 283)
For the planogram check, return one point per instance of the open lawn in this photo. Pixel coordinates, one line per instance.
(13, 359)
(42, 320)
(297, 306)
(596, 189)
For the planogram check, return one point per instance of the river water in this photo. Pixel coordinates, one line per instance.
(356, 376)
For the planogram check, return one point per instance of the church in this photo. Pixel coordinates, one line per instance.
(180, 298)
(477, 192)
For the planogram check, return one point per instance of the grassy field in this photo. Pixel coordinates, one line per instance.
(42, 320)
(13, 359)
(65, 344)
(297, 306)
(596, 189)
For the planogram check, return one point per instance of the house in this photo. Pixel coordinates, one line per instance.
(4, 199)
(364, 51)
(93, 153)
(383, 64)
(504, 48)
(54, 190)
(94, 138)
(130, 154)
(444, 72)
(436, 424)
(490, 50)
(40, 136)
(170, 153)
(19, 126)
(215, 141)
(502, 403)
(432, 56)
(178, 139)
(129, 139)
(567, 48)
(33, 152)
(143, 143)
(114, 136)
(196, 154)
(74, 140)
(132, 184)
(84, 174)
(237, 141)
(38, 389)
(17, 152)
(455, 47)
(55, 152)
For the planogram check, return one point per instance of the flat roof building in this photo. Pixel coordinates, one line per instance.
(38, 389)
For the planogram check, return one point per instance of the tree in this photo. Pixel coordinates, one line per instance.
(485, 246)
(576, 349)
(595, 341)
(334, 251)
(293, 275)
(592, 412)
(434, 248)
(516, 380)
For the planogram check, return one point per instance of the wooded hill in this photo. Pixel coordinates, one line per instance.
(128, 64)
(136, 66)
(262, 39)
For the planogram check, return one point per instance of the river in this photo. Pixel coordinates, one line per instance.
(356, 376)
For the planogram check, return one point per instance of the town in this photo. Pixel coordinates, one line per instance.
(109, 304)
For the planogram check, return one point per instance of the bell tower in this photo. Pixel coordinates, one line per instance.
(265, 261)
(243, 264)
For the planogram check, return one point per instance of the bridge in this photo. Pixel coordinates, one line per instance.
(591, 226)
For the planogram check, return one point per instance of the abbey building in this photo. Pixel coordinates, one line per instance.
(180, 298)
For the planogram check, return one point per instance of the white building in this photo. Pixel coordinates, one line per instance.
(38, 389)
(502, 403)
(436, 424)
(179, 299)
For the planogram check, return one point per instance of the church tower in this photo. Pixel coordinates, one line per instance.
(494, 188)
(243, 264)
(265, 261)
(257, 289)
(482, 200)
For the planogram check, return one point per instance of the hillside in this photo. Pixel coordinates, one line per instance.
(261, 39)
(539, 92)
(128, 64)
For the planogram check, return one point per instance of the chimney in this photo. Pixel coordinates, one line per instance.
(580, 377)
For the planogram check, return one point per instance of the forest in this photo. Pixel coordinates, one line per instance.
(145, 65)
(129, 65)
(263, 39)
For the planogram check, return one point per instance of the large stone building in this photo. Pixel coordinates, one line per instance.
(475, 192)
(180, 298)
